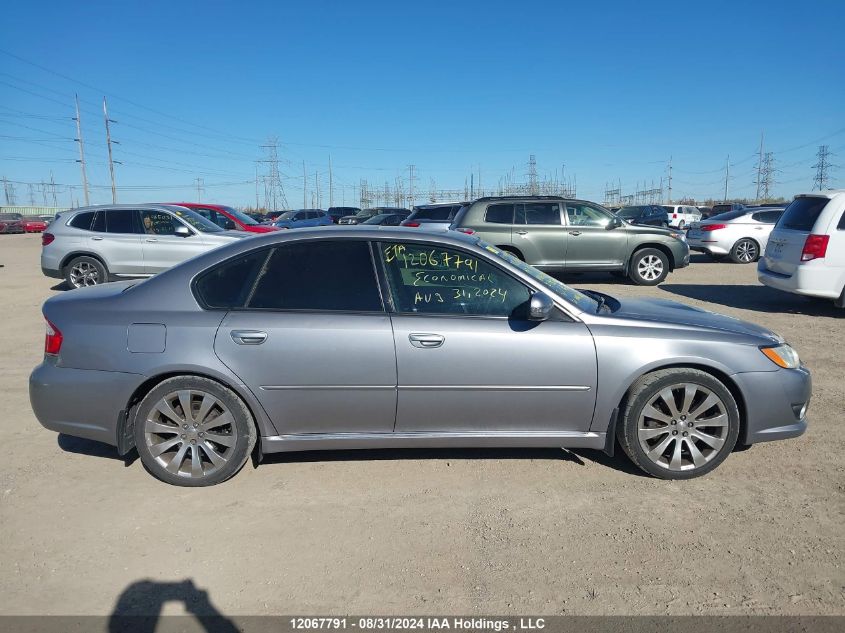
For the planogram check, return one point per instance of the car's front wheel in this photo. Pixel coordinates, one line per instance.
(193, 431)
(649, 267)
(85, 271)
(678, 423)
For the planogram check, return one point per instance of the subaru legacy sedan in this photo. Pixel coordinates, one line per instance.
(374, 337)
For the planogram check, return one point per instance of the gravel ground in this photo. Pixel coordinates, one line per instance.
(440, 531)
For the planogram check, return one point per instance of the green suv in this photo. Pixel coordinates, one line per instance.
(563, 235)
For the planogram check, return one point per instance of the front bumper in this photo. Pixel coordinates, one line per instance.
(80, 402)
(776, 403)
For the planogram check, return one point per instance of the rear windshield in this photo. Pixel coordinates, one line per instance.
(722, 208)
(802, 214)
(730, 215)
(630, 212)
(434, 213)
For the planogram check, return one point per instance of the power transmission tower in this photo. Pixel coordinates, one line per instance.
(256, 188)
(9, 191)
(760, 167)
(411, 178)
(31, 195)
(304, 187)
(317, 187)
(81, 151)
(331, 183)
(274, 192)
(670, 181)
(199, 182)
(727, 176)
(108, 143)
(822, 167)
(767, 173)
(532, 175)
(53, 189)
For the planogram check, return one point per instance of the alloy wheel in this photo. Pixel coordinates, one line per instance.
(190, 433)
(650, 267)
(683, 427)
(84, 274)
(746, 251)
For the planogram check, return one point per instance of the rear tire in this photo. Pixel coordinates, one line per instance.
(745, 251)
(203, 448)
(678, 423)
(649, 267)
(84, 271)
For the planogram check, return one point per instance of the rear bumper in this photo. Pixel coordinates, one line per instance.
(80, 402)
(50, 272)
(711, 248)
(776, 403)
(808, 281)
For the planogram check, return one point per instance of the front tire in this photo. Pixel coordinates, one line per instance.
(85, 271)
(679, 423)
(745, 251)
(193, 431)
(649, 267)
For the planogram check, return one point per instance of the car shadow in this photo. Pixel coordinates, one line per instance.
(405, 454)
(756, 298)
(81, 446)
(139, 608)
(619, 461)
(61, 286)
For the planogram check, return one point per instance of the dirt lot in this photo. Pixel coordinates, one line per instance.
(417, 532)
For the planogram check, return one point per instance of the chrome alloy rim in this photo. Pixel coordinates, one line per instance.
(650, 267)
(84, 274)
(746, 251)
(683, 427)
(190, 433)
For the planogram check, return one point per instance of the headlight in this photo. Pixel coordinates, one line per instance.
(679, 235)
(782, 356)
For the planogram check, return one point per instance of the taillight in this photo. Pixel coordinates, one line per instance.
(713, 227)
(674, 215)
(412, 224)
(47, 238)
(815, 247)
(467, 231)
(53, 340)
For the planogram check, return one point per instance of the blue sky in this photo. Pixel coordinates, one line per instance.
(611, 90)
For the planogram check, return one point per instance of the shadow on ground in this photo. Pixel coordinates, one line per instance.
(81, 446)
(756, 298)
(139, 608)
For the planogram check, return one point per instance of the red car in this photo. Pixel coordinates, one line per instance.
(11, 223)
(227, 217)
(34, 225)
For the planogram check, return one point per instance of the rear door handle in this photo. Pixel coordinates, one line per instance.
(575, 232)
(151, 239)
(248, 337)
(426, 340)
(522, 232)
(97, 239)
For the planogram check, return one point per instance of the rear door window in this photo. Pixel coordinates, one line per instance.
(538, 213)
(82, 220)
(228, 285)
(767, 217)
(499, 214)
(122, 221)
(802, 213)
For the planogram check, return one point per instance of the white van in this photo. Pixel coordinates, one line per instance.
(681, 216)
(806, 250)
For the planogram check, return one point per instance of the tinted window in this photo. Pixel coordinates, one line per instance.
(229, 284)
(158, 223)
(630, 212)
(99, 224)
(82, 220)
(120, 221)
(537, 213)
(435, 280)
(499, 214)
(325, 275)
(435, 213)
(841, 225)
(768, 217)
(730, 215)
(580, 214)
(802, 214)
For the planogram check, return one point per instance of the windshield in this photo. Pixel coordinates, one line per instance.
(366, 213)
(629, 212)
(378, 219)
(576, 298)
(242, 217)
(11, 216)
(286, 216)
(196, 220)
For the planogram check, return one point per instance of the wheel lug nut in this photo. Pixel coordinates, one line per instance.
(195, 425)
(683, 417)
(202, 434)
(194, 441)
(685, 434)
(184, 426)
(674, 421)
(184, 436)
(689, 423)
(674, 432)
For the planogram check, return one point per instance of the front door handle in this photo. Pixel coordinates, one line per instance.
(151, 239)
(575, 232)
(248, 337)
(97, 239)
(426, 340)
(522, 232)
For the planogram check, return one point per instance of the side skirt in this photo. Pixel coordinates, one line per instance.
(348, 441)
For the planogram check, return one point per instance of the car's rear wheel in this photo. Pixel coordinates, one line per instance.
(679, 423)
(649, 267)
(85, 271)
(745, 251)
(193, 431)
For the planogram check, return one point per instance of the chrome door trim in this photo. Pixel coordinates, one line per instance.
(497, 387)
(322, 387)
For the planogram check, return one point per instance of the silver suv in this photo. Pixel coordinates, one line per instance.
(93, 245)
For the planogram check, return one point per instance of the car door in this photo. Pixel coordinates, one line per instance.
(468, 361)
(539, 234)
(313, 341)
(593, 244)
(116, 235)
(767, 221)
(162, 247)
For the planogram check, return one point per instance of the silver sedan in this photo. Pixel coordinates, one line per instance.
(741, 235)
(338, 338)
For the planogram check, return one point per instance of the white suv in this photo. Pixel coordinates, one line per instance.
(806, 250)
(681, 216)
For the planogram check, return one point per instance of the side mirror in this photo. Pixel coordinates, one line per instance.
(614, 223)
(182, 231)
(540, 307)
